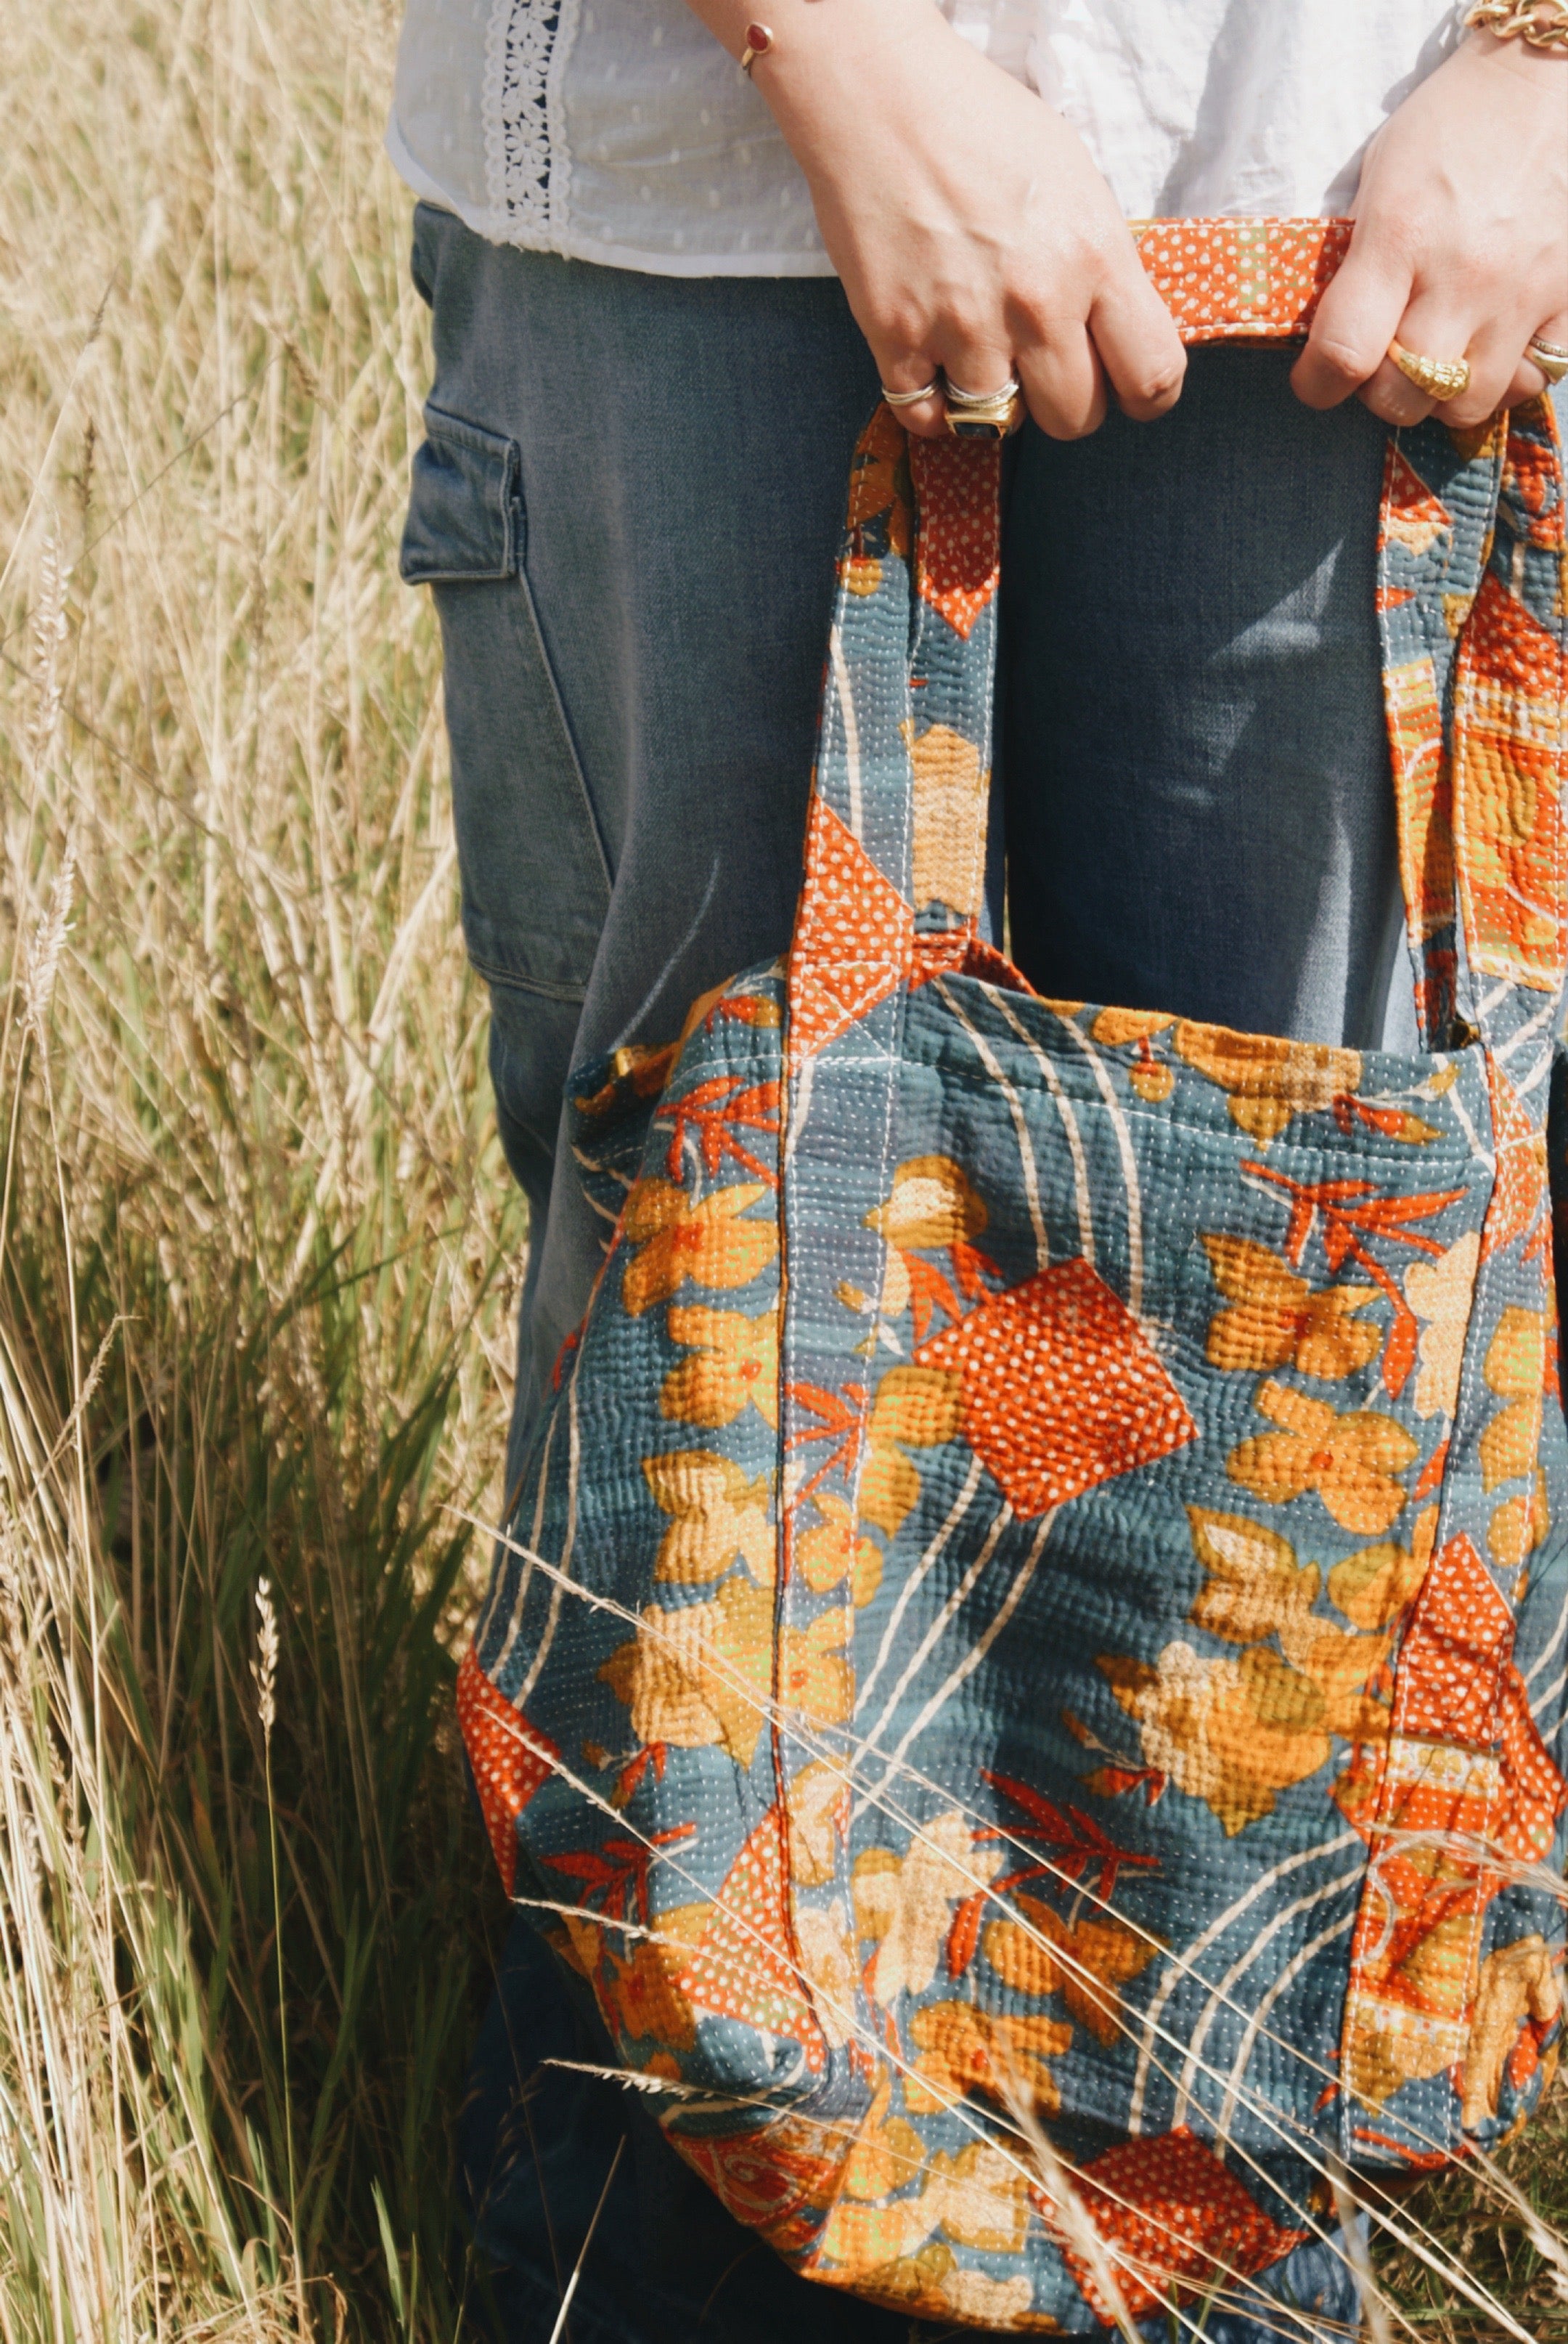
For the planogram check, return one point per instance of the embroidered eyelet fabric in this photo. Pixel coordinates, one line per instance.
(1040, 1602)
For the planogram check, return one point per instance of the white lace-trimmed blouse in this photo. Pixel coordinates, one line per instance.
(620, 131)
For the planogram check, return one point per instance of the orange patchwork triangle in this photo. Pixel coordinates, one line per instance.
(509, 1758)
(743, 1965)
(1510, 648)
(853, 937)
(1457, 1645)
(1412, 516)
(1180, 2220)
(1521, 1189)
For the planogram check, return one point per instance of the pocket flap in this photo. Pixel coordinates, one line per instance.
(465, 504)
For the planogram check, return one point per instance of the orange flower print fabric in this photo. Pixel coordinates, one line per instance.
(1037, 1604)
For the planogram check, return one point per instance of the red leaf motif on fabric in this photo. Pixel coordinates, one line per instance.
(712, 1113)
(1077, 1844)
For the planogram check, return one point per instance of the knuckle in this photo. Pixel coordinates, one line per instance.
(901, 326)
(1344, 360)
(1158, 384)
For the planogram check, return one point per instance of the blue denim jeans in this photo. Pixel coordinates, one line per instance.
(628, 504)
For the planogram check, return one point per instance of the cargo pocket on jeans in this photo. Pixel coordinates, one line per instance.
(535, 877)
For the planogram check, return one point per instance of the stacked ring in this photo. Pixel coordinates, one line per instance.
(932, 390)
(973, 411)
(1550, 356)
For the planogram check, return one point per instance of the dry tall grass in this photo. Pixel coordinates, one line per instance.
(258, 1241)
(256, 1251)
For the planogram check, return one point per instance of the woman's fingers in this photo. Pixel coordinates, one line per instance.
(1063, 384)
(1139, 346)
(1358, 317)
(902, 371)
(1433, 327)
(1529, 380)
(978, 367)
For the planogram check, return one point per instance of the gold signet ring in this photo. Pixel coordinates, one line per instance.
(1441, 378)
(974, 413)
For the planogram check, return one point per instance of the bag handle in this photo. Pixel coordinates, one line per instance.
(1472, 592)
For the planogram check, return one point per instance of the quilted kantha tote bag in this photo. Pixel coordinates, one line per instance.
(1026, 1665)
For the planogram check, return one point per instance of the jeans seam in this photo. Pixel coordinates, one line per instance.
(508, 978)
(527, 593)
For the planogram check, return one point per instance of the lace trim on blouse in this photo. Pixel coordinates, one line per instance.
(526, 167)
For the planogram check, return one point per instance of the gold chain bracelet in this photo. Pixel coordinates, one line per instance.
(1543, 22)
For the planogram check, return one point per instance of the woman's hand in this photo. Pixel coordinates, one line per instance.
(1461, 242)
(970, 230)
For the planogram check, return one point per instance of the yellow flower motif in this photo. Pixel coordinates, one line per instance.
(1373, 1587)
(994, 2304)
(932, 1205)
(1236, 1732)
(716, 1514)
(980, 2198)
(915, 1408)
(1518, 1984)
(818, 1819)
(1439, 1293)
(1231, 1733)
(1350, 1460)
(960, 2049)
(828, 1960)
(707, 1243)
(1516, 1370)
(890, 2240)
(887, 2154)
(700, 1675)
(950, 798)
(735, 1362)
(813, 1676)
(1518, 1526)
(1088, 1963)
(1116, 1027)
(1268, 1080)
(1152, 1081)
(904, 1903)
(1253, 1587)
(831, 1552)
(1276, 1320)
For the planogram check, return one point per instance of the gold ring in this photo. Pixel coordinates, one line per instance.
(759, 41)
(1002, 413)
(1440, 379)
(1550, 356)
